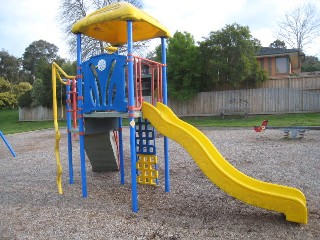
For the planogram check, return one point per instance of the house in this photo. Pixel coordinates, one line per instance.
(280, 62)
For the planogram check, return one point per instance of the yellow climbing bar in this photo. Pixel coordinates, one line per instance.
(109, 24)
(56, 70)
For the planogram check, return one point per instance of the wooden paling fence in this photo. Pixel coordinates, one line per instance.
(39, 113)
(287, 95)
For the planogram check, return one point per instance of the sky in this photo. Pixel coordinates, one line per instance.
(22, 22)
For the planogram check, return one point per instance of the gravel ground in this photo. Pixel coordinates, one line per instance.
(30, 207)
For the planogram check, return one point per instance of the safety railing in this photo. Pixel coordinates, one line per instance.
(106, 82)
(142, 67)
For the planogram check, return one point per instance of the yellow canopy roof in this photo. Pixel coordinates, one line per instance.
(109, 24)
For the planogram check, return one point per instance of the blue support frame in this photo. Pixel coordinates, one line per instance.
(121, 152)
(131, 110)
(8, 145)
(134, 187)
(80, 120)
(68, 107)
(165, 101)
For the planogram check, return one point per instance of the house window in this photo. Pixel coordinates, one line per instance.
(282, 65)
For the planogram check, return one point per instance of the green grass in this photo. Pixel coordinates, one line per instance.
(305, 119)
(9, 121)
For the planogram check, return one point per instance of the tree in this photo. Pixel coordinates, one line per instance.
(9, 67)
(37, 60)
(72, 11)
(8, 99)
(44, 75)
(183, 73)
(37, 55)
(23, 92)
(278, 44)
(70, 67)
(310, 64)
(25, 76)
(20, 91)
(25, 100)
(38, 93)
(228, 57)
(5, 85)
(299, 27)
(22, 87)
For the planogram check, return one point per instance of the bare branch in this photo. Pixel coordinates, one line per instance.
(299, 27)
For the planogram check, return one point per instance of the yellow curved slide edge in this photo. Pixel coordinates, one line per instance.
(287, 200)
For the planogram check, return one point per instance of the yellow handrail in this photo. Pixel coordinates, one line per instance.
(55, 72)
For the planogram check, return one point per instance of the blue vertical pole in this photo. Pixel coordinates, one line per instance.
(121, 152)
(165, 101)
(134, 187)
(68, 104)
(80, 120)
(8, 145)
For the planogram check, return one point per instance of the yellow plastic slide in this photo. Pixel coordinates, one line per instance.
(287, 200)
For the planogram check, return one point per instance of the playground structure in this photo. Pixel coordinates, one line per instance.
(293, 131)
(7, 144)
(110, 87)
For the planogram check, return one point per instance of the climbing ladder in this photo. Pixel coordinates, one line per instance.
(146, 153)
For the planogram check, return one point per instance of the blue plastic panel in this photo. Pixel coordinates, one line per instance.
(104, 83)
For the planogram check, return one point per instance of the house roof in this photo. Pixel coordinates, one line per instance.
(295, 55)
(265, 51)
